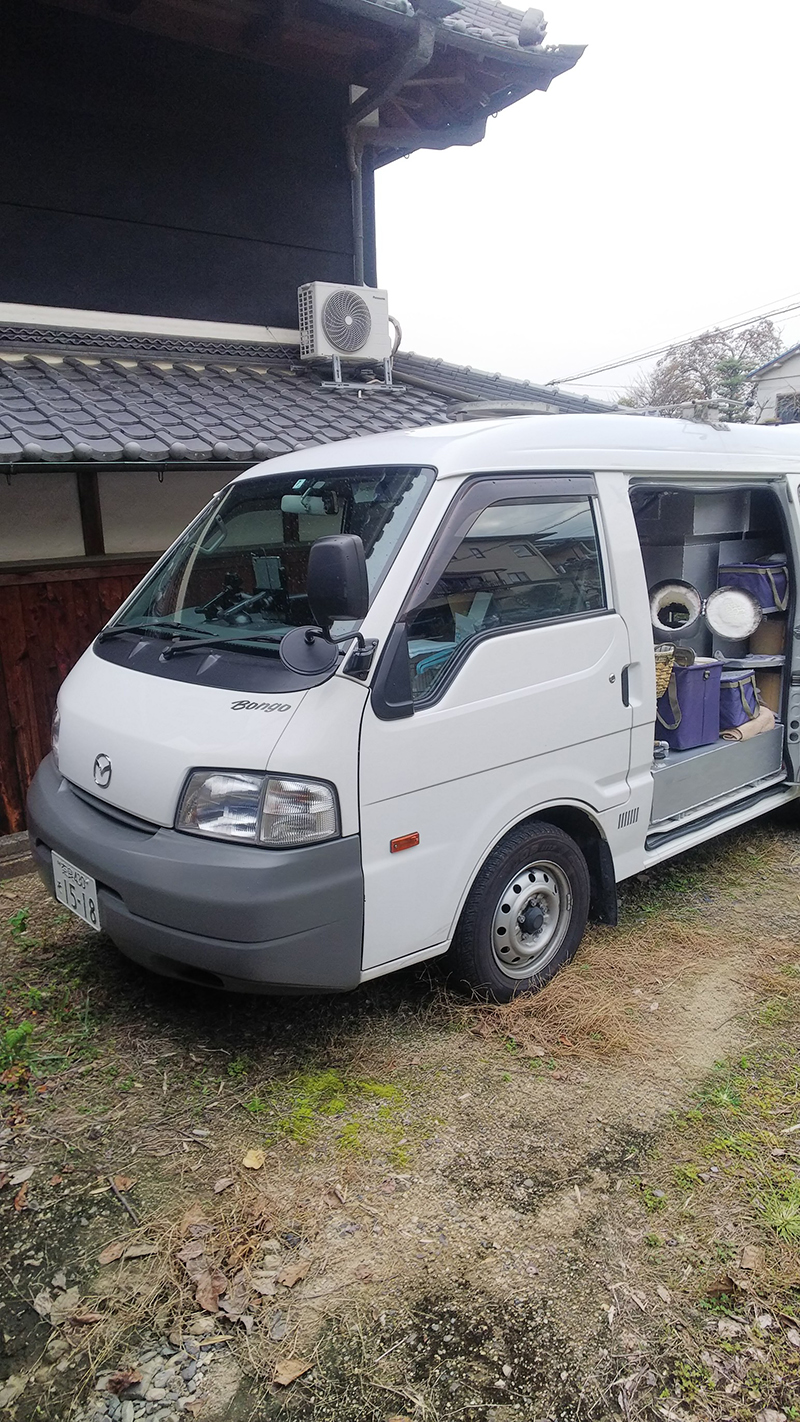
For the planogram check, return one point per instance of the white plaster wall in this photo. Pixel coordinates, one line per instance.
(143, 515)
(780, 380)
(39, 517)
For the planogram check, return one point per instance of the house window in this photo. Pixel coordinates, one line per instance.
(787, 408)
(40, 517)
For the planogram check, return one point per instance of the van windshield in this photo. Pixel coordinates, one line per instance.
(240, 569)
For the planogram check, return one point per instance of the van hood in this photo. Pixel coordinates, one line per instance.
(153, 731)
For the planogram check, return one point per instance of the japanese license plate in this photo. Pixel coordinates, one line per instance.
(76, 890)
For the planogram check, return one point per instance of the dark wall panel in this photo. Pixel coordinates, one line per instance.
(102, 265)
(144, 175)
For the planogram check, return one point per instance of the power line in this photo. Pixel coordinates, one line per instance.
(672, 345)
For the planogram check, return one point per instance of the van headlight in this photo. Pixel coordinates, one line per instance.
(278, 812)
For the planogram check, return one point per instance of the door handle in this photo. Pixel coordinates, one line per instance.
(624, 686)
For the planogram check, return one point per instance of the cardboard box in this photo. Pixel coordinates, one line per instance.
(769, 688)
(769, 637)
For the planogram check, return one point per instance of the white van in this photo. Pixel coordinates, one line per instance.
(396, 697)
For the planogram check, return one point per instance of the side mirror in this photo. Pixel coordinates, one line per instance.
(337, 585)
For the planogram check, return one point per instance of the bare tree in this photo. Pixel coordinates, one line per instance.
(711, 368)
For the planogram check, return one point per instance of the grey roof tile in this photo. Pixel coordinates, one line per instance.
(184, 413)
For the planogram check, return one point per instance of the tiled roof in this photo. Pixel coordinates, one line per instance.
(487, 20)
(190, 408)
(483, 385)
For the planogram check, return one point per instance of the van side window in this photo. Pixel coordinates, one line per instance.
(521, 562)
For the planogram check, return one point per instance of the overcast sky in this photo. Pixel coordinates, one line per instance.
(651, 193)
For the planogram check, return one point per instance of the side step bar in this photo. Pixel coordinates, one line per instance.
(660, 838)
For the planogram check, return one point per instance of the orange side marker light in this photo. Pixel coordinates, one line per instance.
(405, 841)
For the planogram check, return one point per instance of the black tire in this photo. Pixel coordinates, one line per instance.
(557, 877)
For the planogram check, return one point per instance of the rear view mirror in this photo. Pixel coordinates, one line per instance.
(337, 586)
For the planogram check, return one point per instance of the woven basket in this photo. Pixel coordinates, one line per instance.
(665, 658)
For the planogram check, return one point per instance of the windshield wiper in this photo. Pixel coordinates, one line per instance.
(226, 641)
(155, 629)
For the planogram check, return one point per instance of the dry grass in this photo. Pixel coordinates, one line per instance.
(142, 1295)
(602, 1001)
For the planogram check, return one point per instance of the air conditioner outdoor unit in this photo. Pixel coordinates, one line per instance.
(343, 323)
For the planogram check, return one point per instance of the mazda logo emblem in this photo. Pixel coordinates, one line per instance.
(102, 772)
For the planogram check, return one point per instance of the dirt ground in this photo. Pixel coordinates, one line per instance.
(396, 1204)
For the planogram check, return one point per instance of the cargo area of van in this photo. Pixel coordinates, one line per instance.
(696, 544)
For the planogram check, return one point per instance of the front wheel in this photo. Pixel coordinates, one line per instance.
(525, 915)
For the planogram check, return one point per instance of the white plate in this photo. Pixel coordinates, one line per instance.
(76, 891)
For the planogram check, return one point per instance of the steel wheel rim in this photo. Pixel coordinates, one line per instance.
(531, 920)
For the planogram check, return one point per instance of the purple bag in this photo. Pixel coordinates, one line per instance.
(738, 699)
(688, 712)
(767, 581)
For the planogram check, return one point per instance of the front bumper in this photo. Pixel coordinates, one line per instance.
(229, 915)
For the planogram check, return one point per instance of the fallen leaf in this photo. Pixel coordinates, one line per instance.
(254, 1159)
(236, 1298)
(120, 1250)
(64, 1305)
(728, 1328)
(15, 1076)
(59, 1280)
(86, 1318)
(195, 1222)
(192, 1250)
(21, 1197)
(752, 1257)
(263, 1284)
(364, 1272)
(223, 1184)
(20, 1176)
(720, 1287)
(11, 1389)
(663, 1294)
(793, 1337)
(122, 1378)
(123, 1183)
(56, 1179)
(110, 1253)
(43, 1303)
(279, 1327)
(209, 1283)
(293, 1273)
(4, 1179)
(289, 1369)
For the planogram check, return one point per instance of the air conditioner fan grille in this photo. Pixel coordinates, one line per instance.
(346, 321)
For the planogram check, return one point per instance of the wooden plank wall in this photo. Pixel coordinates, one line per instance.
(47, 619)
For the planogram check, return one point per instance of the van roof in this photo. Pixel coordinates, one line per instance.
(635, 443)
